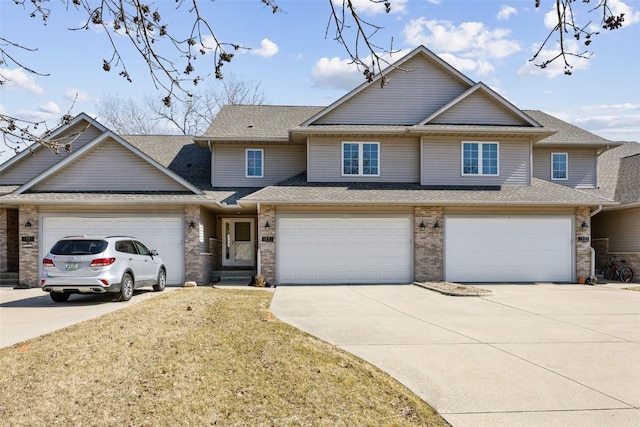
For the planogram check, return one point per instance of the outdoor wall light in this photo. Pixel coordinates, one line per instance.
(436, 226)
(192, 224)
(27, 224)
(422, 226)
(267, 225)
(584, 226)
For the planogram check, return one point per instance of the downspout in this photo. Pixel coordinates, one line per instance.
(212, 162)
(259, 258)
(593, 251)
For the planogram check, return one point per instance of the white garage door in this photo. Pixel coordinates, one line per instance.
(162, 233)
(342, 250)
(508, 249)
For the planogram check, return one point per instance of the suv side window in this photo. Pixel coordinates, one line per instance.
(126, 246)
(142, 249)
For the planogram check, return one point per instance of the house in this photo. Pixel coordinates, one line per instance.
(433, 177)
(616, 229)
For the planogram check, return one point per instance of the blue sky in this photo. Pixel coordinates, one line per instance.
(295, 64)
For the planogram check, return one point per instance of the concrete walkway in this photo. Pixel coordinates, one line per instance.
(528, 355)
(29, 313)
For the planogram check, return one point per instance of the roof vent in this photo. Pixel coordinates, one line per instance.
(250, 125)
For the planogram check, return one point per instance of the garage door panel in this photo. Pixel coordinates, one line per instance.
(312, 250)
(162, 233)
(508, 249)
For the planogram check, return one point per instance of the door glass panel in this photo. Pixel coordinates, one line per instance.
(227, 238)
(243, 231)
(243, 251)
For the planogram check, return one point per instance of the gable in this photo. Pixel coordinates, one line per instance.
(479, 108)
(108, 167)
(29, 164)
(420, 88)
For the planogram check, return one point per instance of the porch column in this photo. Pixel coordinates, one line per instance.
(193, 268)
(583, 243)
(266, 242)
(428, 243)
(28, 253)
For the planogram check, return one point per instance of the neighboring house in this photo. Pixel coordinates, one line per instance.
(616, 229)
(433, 177)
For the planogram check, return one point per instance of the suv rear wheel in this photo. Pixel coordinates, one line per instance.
(59, 296)
(162, 281)
(126, 288)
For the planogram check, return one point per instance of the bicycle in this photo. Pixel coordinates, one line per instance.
(614, 271)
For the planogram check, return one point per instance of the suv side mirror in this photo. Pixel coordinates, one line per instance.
(154, 252)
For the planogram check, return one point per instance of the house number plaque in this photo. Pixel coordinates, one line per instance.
(267, 238)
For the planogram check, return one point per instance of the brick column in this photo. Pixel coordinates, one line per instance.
(193, 268)
(28, 253)
(267, 213)
(428, 244)
(583, 248)
(4, 237)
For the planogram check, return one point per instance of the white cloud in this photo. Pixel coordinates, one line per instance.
(466, 65)
(470, 39)
(631, 16)
(73, 94)
(505, 12)
(555, 68)
(336, 73)
(612, 121)
(17, 78)
(367, 7)
(47, 111)
(267, 49)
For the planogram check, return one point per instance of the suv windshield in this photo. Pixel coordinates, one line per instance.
(79, 247)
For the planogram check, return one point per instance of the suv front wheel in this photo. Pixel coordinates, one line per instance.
(162, 281)
(126, 288)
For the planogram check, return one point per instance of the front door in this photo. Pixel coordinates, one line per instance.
(239, 242)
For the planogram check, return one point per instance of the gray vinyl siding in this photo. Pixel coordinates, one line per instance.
(399, 161)
(109, 167)
(408, 97)
(442, 162)
(582, 167)
(280, 162)
(479, 109)
(31, 166)
(621, 227)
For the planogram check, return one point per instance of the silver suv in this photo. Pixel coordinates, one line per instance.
(117, 264)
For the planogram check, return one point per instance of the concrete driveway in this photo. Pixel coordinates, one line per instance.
(28, 313)
(528, 355)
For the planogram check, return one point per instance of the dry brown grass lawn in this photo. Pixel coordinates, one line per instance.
(197, 357)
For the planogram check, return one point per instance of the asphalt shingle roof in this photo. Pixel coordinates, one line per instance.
(179, 154)
(252, 122)
(567, 134)
(540, 192)
(619, 173)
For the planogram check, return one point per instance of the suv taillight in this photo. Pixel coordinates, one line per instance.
(48, 262)
(102, 262)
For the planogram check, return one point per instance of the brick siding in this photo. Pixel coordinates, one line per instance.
(29, 256)
(267, 249)
(583, 248)
(428, 253)
(194, 262)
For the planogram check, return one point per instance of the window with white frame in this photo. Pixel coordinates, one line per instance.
(480, 158)
(559, 166)
(254, 163)
(361, 158)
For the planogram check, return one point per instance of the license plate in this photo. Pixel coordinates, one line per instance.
(71, 267)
